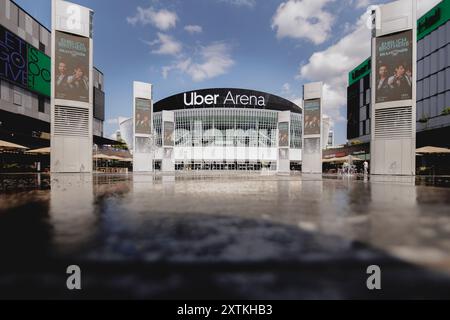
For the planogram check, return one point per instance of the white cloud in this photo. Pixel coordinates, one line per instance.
(193, 29)
(424, 5)
(162, 19)
(214, 60)
(241, 3)
(167, 45)
(303, 19)
(286, 88)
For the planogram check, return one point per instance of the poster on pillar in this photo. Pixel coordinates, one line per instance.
(394, 67)
(71, 67)
(169, 139)
(283, 138)
(143, 116)
(312, 117)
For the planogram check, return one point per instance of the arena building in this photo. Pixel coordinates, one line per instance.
(224, 129)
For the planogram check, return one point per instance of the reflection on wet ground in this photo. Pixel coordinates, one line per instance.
(223, 236)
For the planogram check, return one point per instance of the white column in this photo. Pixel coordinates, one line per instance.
(143, 144)
(284, 135)
(71, 96)
(312, 128)
(168, 141)
(393, 114)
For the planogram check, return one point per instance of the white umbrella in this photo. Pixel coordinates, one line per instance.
(5, 145)
(429, 150)
(39, 151)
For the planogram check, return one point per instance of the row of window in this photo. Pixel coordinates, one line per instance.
(432, 106)
(434, 84)
(434, 41)
(433, 63)
(16, 97)
(228, 127)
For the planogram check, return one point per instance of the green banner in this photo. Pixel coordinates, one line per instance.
(38, 71)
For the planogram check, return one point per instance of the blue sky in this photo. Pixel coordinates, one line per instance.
(268, 45)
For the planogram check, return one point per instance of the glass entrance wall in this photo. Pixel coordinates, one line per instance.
(227, 138)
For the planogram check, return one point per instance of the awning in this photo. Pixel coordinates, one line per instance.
(5, 145)
(432, 150)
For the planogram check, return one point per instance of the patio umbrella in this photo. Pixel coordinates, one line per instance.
(342, 159)
(432, 150)
(39, 151)
(104, 157)
(5, 145)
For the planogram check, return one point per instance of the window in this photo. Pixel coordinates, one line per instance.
(17, 98)
(41, 104)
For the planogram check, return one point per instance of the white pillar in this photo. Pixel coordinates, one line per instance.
(393, 114)
(284, 134)
(312, 128)
(168, 141)
(71, 88)
(143, 146)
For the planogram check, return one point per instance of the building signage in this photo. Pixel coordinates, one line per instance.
(23, 64)
(433, 19)
(38, 71)
(394, 67)
(71, 67)
(13, 58)
(195, 99)
(360, 71)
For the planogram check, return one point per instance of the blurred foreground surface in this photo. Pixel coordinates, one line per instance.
(228, 236)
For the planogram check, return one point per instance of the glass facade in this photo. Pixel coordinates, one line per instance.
(224, 128)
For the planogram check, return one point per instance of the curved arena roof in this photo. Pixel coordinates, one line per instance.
(225, 98)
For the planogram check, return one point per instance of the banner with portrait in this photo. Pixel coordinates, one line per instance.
(71, 67)
(312, 117)
(283, 134)
(143, 116)
(169, 138)
(394, 67)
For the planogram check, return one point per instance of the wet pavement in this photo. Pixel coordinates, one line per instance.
(232, 236)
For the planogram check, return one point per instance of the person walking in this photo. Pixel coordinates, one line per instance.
(366, 167)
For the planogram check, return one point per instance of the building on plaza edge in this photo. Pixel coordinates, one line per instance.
(224, 129)
(433, 85)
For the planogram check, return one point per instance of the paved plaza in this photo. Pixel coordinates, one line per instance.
(223, 235)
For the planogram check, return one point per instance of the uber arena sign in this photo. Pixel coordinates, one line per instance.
(194, 99)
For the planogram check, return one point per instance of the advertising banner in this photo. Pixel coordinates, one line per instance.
(143, 116)
(394, 67)
(13, 58)
(312, 117)
(169, 139)
(38, 71)
(283, 134)
(71, 67)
